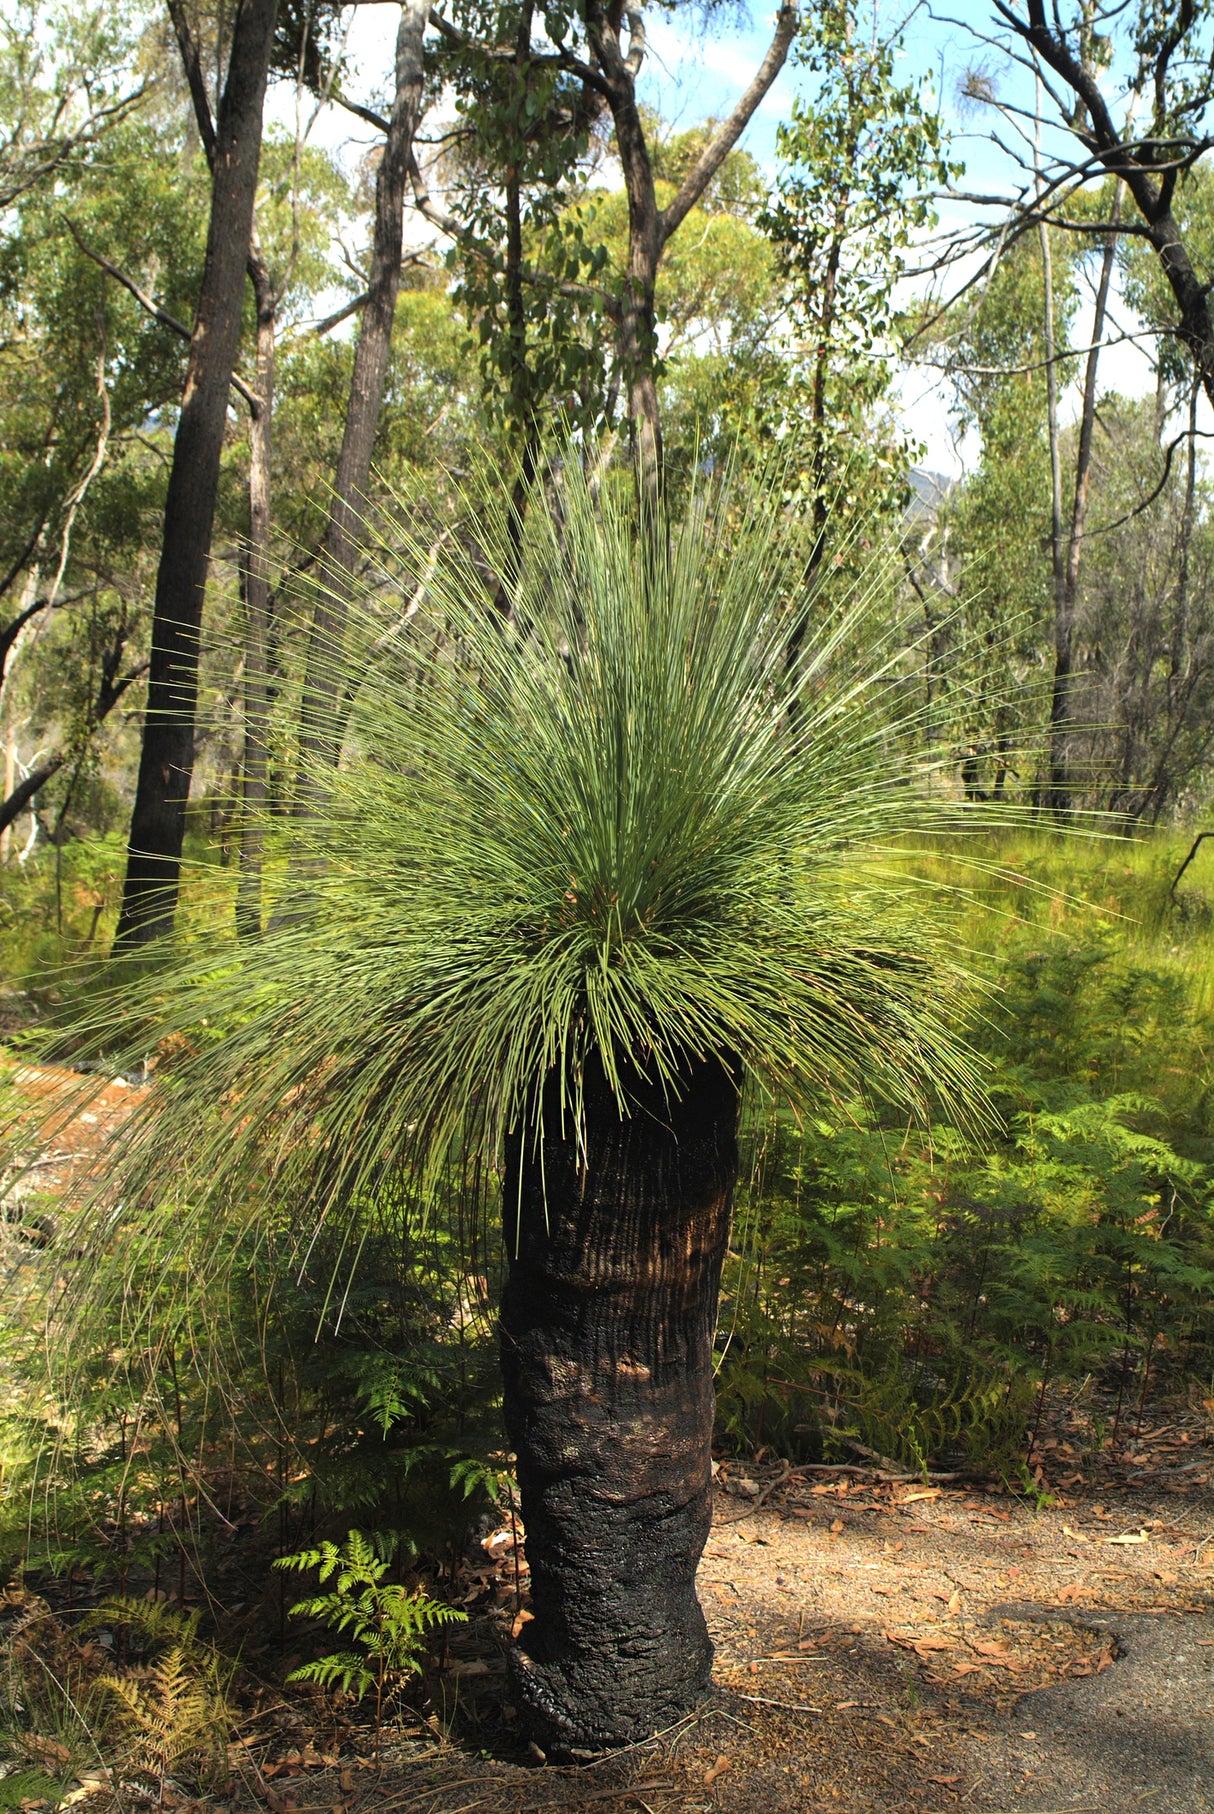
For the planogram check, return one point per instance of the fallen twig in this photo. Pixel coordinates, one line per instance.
(933, 1477)
(768, 1490)
(764, 1700)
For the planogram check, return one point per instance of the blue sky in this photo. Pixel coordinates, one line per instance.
(693, 71)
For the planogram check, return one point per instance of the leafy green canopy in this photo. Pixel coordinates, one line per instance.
(614, 824)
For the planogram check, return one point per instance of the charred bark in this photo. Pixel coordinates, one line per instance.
(166, 761)
(615, 1254)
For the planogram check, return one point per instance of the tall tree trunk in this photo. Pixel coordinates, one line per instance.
(257, 610)
(638, 312)
(1180, 677)
(521, 385)
(321, 711)
(649, 228)
(166, 762)
(608, 1316)
(1066, 571)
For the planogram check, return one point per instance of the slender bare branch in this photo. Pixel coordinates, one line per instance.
(715, 153)
(339, 315)
(152, 308)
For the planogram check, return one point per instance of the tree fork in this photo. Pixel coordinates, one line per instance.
(615, 1247)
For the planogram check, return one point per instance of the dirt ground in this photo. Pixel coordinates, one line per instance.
(882, 1649)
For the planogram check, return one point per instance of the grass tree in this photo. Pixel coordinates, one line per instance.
(586, 883)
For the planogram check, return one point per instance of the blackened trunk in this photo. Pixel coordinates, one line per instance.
(608, 1317)
(166, 762)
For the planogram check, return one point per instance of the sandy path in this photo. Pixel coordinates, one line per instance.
(956, 1652)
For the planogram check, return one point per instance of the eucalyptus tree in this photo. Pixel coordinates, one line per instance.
(84, 375)
(583, 884)
(1000, 347)
(74, 111)
(1144, 624)
(861, 157)
(320, 712)
(614, 65)
(66, 78)
(166, 761)
(575, 66)
(1123, 92)
(718, 304)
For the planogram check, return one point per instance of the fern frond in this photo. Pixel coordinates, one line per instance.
(344, 1669)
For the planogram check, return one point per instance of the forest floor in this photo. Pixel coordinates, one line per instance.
(890, 1648)
(881, 1646)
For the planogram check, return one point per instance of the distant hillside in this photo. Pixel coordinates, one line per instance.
(928, 491)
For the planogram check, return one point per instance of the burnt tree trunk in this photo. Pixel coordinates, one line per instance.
(166, 761)
(607, 1327)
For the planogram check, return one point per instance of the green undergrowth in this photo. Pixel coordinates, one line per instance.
(919, 1291)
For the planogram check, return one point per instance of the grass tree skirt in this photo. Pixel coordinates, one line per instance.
(607, 1328)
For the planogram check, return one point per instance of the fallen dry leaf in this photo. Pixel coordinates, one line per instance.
(926, 1492)
(1128, 1537)
(923, 1644)
(718, 1769)
(836, 1526)
(947, 1781)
